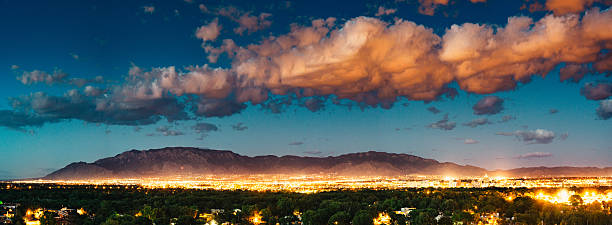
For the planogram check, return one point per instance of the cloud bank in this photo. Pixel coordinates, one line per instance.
(365, 61)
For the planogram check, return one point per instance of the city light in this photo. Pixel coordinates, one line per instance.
(256, 218)
(564, 196)
(320, 183)
(383, 218)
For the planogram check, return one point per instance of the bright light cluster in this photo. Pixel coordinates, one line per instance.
(564, 196)
(319, 183)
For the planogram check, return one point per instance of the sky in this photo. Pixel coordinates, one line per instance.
(491, 83)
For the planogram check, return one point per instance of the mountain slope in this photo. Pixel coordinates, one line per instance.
(193, 161)
(188, 161)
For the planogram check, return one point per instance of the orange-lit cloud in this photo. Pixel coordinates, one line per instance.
(365, 61)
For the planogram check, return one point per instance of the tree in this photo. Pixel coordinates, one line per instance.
(362, 217)
(48, 218)
(445, 220)
(117, 219)
(424, 218)
(185, 220)
(575, 200)
(339, 218)
(141, 220)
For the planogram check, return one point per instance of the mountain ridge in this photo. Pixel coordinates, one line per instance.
(172, 161)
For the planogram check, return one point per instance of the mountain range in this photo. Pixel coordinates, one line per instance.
(187, 161)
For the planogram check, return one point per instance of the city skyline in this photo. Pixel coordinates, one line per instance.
(493, 84)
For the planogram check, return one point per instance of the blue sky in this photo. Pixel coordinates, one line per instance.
(86, 39)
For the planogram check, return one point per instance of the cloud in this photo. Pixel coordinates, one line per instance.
(604, 111)
(92, 91)
(470, 141)
(365, 61)
(19, 120)
(443, 124)
(535, 155)
(203, 8)
(296, 143)
(564, 136)
(74, 56)
(148, 9)
(39, 108)
(433, 110)
(229, 47)
(251, 24)
(428, 7)
(596, 92)
(37, 76)
(477, 122)
(246, 21)
(204, 127)
(488, 106)
(313, 152)
(561, 7)
(538, 136)
(573, 72)
(57, 77)
(209, 32)
(166, 131)
(14, 67)
(239, 127)
(384, 11)
(506, 118)
(314, 104)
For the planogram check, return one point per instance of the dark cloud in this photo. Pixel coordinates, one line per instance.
(239, 127)
(204, 127)
(573, 72)
(296, 143)
(19, 120)
(443, 124)
(313, 152)
(538, 136)
(604, 111)
(218, 108)
(488, 106)
(433, 110)
(314, 104)
(477, 122)
(506, 118)
(534, 155)
(553, 111)
(596, 92)
(111, 111)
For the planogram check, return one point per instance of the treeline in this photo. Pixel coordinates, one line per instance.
(134, 205)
